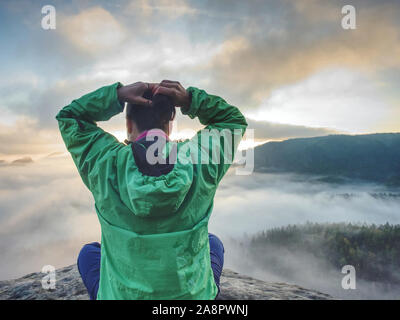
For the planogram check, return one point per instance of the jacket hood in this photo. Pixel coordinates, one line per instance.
(156, 190)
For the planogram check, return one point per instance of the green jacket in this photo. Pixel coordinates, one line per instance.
(154, 230)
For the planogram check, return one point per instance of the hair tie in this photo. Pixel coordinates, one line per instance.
(153, 91)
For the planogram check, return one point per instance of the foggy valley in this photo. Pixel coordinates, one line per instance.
(47, 214)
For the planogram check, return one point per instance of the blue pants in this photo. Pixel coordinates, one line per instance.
(89, 263)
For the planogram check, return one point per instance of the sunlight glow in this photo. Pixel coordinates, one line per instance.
(187, 134)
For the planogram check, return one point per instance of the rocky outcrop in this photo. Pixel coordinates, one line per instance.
(69, 286)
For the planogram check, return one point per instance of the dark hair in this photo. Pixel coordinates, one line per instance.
(156, 115)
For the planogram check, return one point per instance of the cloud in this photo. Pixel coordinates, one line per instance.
(22, 161)
(92, 30)
(167, 8)
(261, 56)
(25, 137)
(277, 200)
(334, 98)
(300, 267)
(55, 218)
(263, 130)
(245, 205)
(266, 130)
(245, 53)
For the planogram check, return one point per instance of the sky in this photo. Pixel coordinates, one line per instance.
(288, 65)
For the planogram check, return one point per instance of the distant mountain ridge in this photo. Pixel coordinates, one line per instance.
(372, 157)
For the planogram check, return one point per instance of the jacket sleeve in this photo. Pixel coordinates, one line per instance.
(88, 143)
(218, 141)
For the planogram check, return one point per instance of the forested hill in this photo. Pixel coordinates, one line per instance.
(373, 157)
(373, 250)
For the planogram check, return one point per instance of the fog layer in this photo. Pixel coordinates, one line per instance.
(47, 214)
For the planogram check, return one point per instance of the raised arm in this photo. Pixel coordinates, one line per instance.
(88, 143)
(225, 126)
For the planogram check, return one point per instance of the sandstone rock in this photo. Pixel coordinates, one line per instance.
(69, 286)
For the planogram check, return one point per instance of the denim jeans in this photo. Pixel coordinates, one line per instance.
(89, 263)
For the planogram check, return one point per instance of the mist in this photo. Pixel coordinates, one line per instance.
(47, 215)
(261, 201)
(300, 268)
(245, 205)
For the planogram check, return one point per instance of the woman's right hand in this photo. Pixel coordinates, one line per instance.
(176, 91)
(133, 93)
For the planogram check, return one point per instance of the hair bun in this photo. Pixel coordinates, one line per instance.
(161, 111)
(164, 108)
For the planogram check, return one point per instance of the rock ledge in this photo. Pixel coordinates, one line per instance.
(234, 286)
